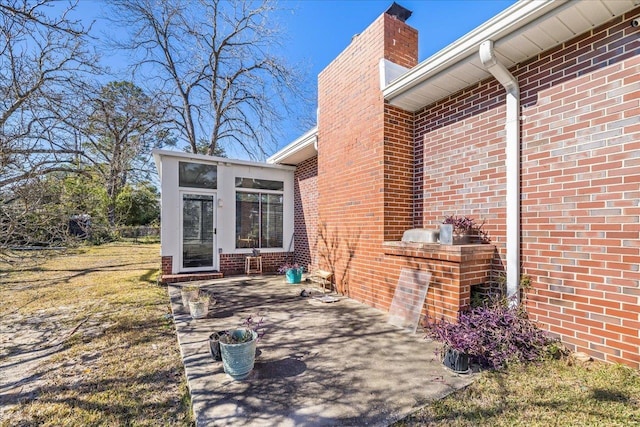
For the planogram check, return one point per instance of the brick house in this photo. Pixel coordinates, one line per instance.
(531, 122)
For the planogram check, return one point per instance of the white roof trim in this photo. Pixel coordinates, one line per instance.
(520, 32)
(509, 20)
(389, 71)
(299, 150)
(158, 154)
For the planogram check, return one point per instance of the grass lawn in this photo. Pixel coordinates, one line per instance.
(553, 393)
(86, 339)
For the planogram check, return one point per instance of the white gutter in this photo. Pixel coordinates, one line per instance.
(512, 128)
(508, 21)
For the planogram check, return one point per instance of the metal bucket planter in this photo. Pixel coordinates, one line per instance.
(457, 361)
(294, 275)
(199, 308)
(450, 237)
(238, 359)
(188, 294)
(214, 345)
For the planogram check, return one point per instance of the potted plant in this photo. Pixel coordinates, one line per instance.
(461, 230)
(456, 341)
(188, 293)
(292, 272)
(493, 336)
(236, 348)
(199, 307)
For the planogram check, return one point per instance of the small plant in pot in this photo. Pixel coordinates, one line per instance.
(457, 342)
(461, 230)
(199, 307)
(188, 293)
(292, 272)
(236, 348)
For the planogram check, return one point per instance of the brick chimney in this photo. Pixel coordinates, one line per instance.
(365, 156)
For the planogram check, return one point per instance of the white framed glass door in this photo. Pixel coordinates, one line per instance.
(198, 231)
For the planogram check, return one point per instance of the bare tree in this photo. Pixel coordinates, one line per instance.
(32, 12)
(122, 125)
(42, 59)
(40, 63)
(216, 60)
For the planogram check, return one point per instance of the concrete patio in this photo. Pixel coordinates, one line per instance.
(318, 364)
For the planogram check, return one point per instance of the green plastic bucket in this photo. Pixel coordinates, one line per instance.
(238, 359)
(294, 275)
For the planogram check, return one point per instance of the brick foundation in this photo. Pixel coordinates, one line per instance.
(166, 265)
(189, 277)
(232, 264)
(167, 275)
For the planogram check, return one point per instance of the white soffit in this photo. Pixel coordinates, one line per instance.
(520, 32)
(297, 151)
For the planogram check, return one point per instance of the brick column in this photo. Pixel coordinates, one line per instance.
(167, 265)
(365, 159)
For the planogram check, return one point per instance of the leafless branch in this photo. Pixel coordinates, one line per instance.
(215, 61)
(24, 12)
(44, 62)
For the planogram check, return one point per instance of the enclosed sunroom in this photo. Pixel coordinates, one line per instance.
(216, 211)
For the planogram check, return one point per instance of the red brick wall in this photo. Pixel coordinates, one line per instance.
(460, 165)
(454, 270)
(398, 172)
(581, 172)
(231, 264)
(166, 265)
(306, 211)
(401, 47)
(353, 158)
(580, 183)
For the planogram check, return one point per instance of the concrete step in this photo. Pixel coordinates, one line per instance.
(189, 277)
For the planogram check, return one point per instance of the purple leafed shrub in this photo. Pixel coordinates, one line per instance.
(493, 336)
(237, 336)
(462, 224)
(286, 267)
(254, 325)
(467, 225)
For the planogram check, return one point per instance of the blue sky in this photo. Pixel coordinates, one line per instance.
(318, 30)
(321, 29)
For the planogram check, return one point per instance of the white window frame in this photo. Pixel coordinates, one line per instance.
(260, 192)
(216, 256)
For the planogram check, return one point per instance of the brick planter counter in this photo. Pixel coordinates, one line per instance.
(454, 269)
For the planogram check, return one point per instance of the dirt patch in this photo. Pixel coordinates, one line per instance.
(86, 338)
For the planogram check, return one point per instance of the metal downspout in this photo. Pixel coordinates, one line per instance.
(512, 128)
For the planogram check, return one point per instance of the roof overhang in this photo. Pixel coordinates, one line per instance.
(297, 151)
(519, 33)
